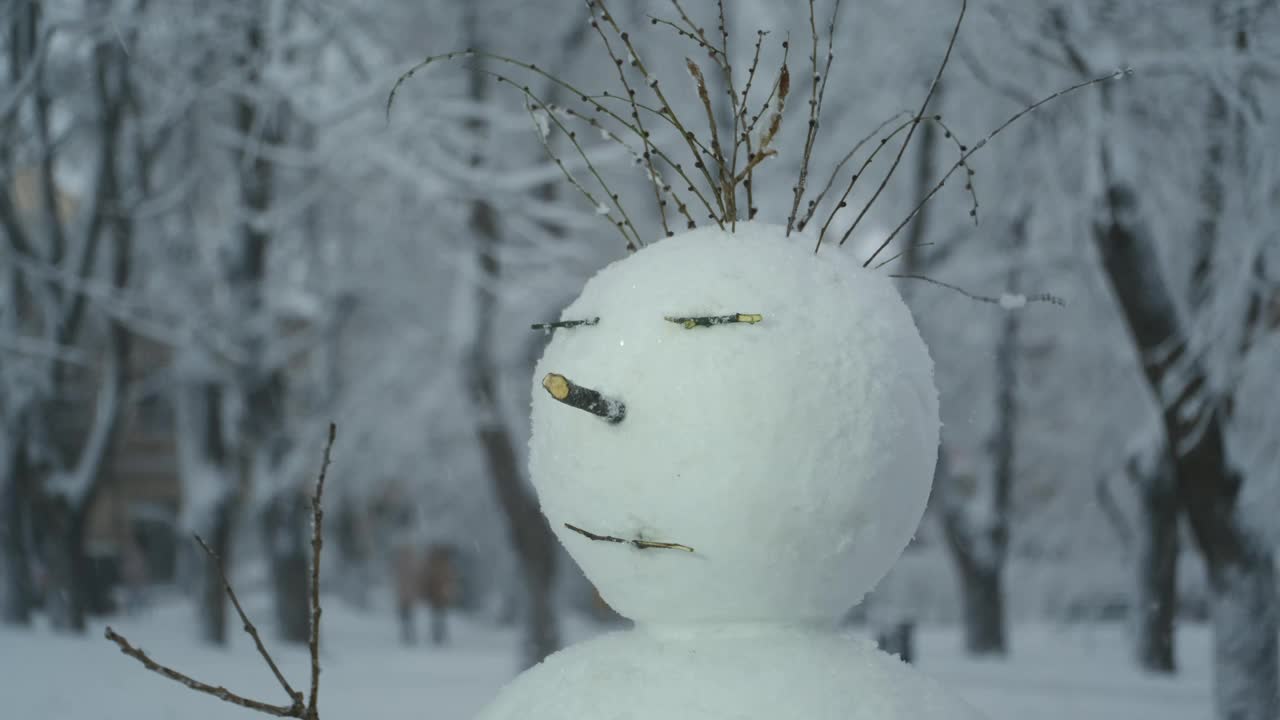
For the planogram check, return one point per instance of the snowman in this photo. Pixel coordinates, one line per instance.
(735, 437)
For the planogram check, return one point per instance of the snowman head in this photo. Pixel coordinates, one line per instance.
(791, 455)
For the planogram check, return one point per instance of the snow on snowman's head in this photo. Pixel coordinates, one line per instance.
(794, 455)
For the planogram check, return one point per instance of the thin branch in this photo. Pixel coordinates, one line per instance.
(657, 152)
(573, 181)
(1010, 302)
(711, 49)
(641, 132)
(307, 711)
(933, 88)
(982, 143)
(317, 544)
(743, 134)
(248, 625)
(717, 150)
(215, 690)
(634, 240)
(899, 254)
(814, 203)
(818, 92)
(667, 107)
(590, 100)
(853, 179)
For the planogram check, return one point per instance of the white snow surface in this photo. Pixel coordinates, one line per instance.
(745, 673)
(795, 456)
(1054, 672)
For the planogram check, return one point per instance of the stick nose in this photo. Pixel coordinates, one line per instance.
(570, 393)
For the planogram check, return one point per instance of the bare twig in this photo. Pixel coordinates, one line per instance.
(981, 144)
(857, 175)
(742, 137)
(666, 107)
(590, 100)
(814, 203)
(640, 544)
(899, 254)
(624, 225)
(631, 240)
(653, 175)
(631, 96)
(217, 691)
(317, 544)
(711, 49)
(933, 88)
(297, 709)
(717, 150)
(248, 625)
(818, 91)
(1020, 299)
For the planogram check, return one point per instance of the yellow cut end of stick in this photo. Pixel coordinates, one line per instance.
(752, 318)
(690, 324)
(557, 385)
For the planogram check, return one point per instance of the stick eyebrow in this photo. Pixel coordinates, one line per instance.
(565, 324)
(712, 320)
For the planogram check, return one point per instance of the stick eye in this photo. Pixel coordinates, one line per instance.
(712, 320)
(548, 327)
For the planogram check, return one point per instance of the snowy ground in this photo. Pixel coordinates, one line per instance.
(1054, 673)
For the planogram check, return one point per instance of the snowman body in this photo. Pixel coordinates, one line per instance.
(780, 434)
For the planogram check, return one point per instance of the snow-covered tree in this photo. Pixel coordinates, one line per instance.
(1185, 239)
(68, 253)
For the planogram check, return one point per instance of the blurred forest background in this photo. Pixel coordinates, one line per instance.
(213, 241)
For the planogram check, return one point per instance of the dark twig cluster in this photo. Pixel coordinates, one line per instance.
(724, 166)
(305, 708)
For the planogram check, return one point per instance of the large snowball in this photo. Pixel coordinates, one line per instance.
(795, 456)
(764, 673)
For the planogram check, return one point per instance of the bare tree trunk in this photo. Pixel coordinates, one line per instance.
(218, 525)
(261, 442)
(979, 570)
(286, 523)
(979, 541)
(1155, 557)
(1243, 604)
(15, 573)
(439, 625)
(73, 580)
(530, 535)
(213, 599)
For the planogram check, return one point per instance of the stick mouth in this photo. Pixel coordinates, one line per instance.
(638, 543)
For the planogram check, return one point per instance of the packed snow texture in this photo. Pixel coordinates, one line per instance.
(795, 455)
(741, 673)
